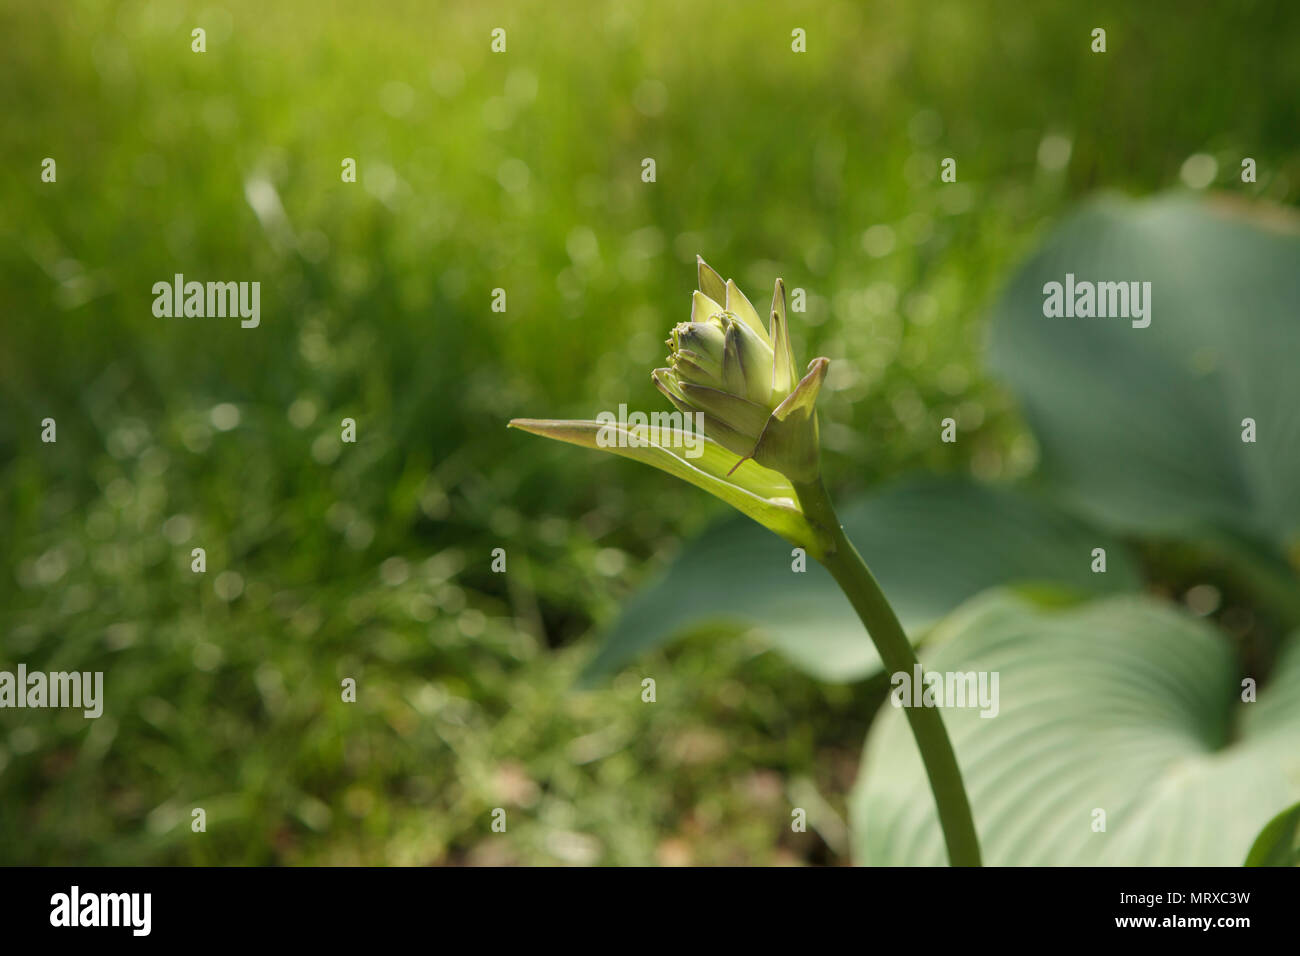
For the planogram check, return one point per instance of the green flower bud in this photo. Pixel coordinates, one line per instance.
(727, 367)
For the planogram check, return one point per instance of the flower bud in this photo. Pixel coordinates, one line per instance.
(727, 367)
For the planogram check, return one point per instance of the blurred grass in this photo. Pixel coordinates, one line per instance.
(478, 171)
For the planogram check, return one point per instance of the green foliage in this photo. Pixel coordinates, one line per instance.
(764, 495)
(1123, 706)
(1143, 427)
(1278, 844)
(931, 543)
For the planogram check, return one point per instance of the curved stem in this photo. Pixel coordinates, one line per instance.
(859, 585)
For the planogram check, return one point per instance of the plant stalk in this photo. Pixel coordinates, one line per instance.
(860, 587)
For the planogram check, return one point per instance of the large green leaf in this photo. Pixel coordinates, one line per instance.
(1124, 705)
(1278, 844)
(1142, 427)
(931, 542)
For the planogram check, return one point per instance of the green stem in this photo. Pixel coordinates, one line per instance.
(862, 590)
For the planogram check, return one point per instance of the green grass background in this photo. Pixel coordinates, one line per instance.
(518, 171)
